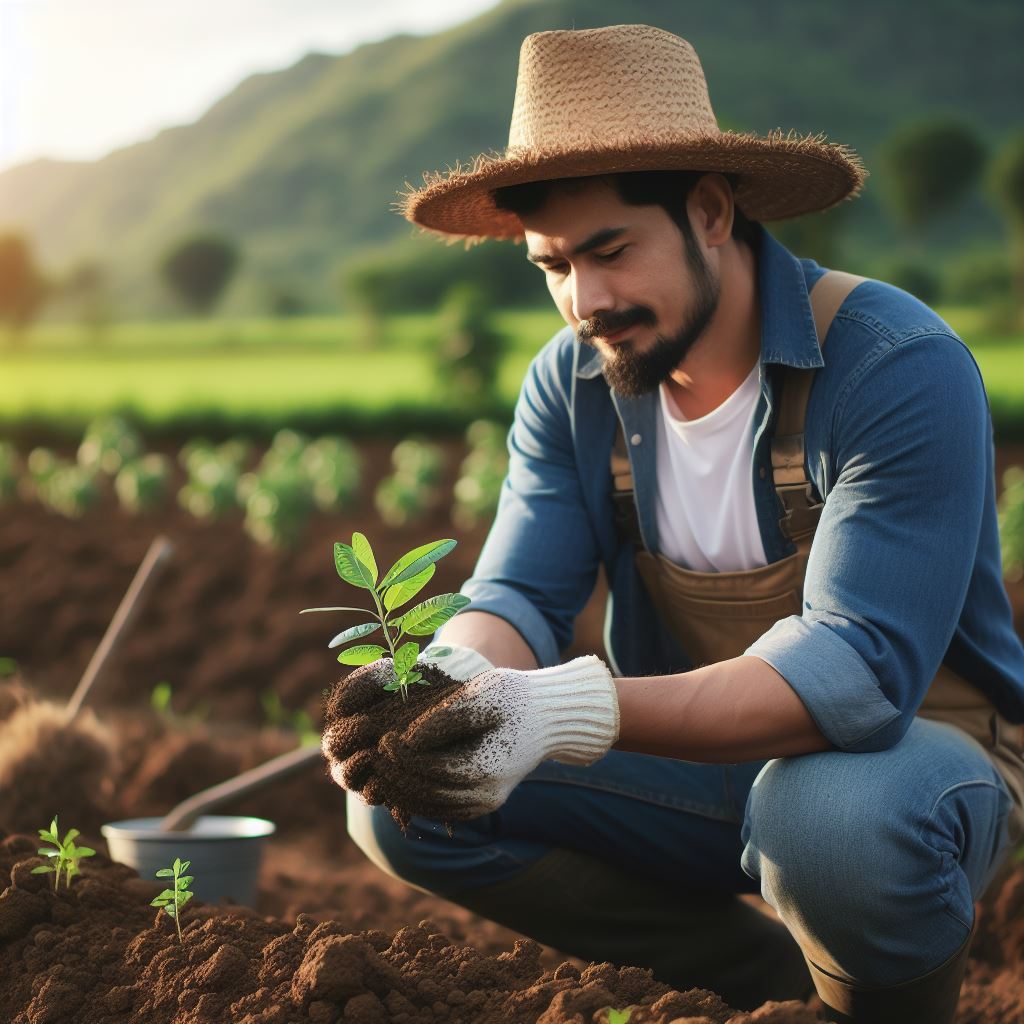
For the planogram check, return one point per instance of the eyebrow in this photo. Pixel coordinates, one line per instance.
(595, 241)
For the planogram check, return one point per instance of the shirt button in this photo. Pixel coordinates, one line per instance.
(635, 439)
(762, 472)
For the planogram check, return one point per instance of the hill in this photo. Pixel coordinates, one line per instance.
(301, 166)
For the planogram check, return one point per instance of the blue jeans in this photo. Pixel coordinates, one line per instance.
(872, 860)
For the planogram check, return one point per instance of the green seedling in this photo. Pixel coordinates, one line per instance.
(65, 854)
(403, 581)
(280, 717)
(619, 1016)
(172, 900)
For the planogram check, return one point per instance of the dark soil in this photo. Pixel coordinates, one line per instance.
(330, 937)
(365, 725)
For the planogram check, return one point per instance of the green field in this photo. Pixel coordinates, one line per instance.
(317, 373)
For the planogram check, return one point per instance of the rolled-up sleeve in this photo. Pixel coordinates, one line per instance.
(893, 553)
(539, 564)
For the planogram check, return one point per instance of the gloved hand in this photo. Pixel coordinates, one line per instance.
(362, 692)
(463, 757)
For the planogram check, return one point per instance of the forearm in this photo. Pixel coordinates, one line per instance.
(732, 711)
(492, 637)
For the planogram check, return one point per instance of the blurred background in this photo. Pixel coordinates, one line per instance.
(196, 223)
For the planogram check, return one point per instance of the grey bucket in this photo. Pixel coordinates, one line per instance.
(225, 851)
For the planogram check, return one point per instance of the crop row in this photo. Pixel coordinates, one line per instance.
(296, 476)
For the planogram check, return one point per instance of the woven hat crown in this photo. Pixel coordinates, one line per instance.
(620, 85)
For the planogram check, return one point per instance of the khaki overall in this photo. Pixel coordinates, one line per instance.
(717, 615)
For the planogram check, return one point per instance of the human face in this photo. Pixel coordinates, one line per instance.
(626, 278)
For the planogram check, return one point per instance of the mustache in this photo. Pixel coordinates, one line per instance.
(608, 323)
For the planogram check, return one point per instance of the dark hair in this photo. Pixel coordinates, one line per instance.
(667, 189)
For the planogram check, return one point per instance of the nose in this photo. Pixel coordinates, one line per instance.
(590, 294)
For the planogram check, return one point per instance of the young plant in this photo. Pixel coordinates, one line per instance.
(172, 900)
(619, 1016)
(65, 854)
(402, 582)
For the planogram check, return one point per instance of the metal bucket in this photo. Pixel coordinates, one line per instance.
(225, 852)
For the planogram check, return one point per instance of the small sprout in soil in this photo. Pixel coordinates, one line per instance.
(172, 900)
(619, 1016)
(65, 854)
(160, 698)
(406, 578)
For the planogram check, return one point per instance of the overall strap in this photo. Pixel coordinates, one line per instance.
(792, 483)
(789, 471)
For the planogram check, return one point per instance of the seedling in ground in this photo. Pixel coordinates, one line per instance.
(65, 854)
(403, 581)
(172, 900)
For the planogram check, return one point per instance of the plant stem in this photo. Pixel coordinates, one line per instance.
(382, 615)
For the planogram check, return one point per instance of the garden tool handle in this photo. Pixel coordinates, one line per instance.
(141, 586)
(180, 818)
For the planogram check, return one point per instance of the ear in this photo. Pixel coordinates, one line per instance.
(711, 209)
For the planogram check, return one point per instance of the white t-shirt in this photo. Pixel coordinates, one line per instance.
(705, 505)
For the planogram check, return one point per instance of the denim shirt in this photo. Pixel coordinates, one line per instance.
(904, 571)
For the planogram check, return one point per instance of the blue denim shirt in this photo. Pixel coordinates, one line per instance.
(904, 570)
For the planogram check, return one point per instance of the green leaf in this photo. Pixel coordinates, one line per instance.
(73, 833)
(363, 551)
(405, 658)
(184, 865)
(43, 869)
(48, 853)
(619, 1016)
(397, 594)
(393, 685)
(354, 633)
(361, 655)
(84, 851)
(165, 873)
(333, 608)
(416, 561)
(428, 616)
(185, 898)
(413, 677)
(350, 569)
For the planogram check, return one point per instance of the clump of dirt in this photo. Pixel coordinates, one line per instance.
(50, 765)
(364, 725)
(98, 952)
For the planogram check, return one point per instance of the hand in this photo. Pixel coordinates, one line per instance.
(463, 757)
(359, 698)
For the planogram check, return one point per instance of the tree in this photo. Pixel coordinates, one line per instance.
(23, 289)
(470, 350)
(1006, 183)
(198, 270)
(929, 167)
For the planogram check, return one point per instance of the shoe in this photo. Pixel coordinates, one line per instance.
(930, 999)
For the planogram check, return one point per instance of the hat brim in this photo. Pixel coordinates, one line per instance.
(778, 177)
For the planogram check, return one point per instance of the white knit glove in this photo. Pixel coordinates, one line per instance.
(467, 753)
(462, 663)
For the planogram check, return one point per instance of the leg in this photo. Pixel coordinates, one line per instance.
(634, 860)
(874, 861)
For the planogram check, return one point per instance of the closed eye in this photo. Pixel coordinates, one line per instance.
(607, 257)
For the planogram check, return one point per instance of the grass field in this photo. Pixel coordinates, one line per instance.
(258, 375)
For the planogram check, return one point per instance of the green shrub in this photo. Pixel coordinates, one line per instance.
(1011, 523)
(109, 443)
(143, 484)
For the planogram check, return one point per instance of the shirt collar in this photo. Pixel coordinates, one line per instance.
(787, 326)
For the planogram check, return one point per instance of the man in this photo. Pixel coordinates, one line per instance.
(814, 687)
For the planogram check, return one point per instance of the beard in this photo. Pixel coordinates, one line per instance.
(632, 372)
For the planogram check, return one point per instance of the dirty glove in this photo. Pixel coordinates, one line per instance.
(362, 692)
(464, 756)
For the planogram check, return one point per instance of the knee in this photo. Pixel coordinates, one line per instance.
(380, 838)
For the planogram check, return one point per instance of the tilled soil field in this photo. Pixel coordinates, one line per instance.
(331, 938)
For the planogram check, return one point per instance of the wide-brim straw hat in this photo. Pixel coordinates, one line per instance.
(627, 98)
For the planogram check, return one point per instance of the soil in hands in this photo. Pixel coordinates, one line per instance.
(364, 724)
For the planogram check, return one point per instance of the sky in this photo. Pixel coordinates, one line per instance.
(79, 78)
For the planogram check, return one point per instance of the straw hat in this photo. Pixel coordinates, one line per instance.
(627, 98)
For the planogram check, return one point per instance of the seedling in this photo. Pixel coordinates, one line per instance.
(172, 900)
(404, 580)
(65, 854)
(619, 1016)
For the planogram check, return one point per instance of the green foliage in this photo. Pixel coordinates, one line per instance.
(929, 166)
(172, 900)
(978, 278)
(143, 484)
(198, 270)
(23, 289)
(109, 443)
(357, 566)
(278, 716)
(415, 486)
(481, 475)
(213, 472)
(1006, 179)
(470, 350)
(10, 470)
(61, 485)
(65, 854)
(1011, 523)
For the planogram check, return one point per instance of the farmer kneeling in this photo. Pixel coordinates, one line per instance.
(786, 473)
